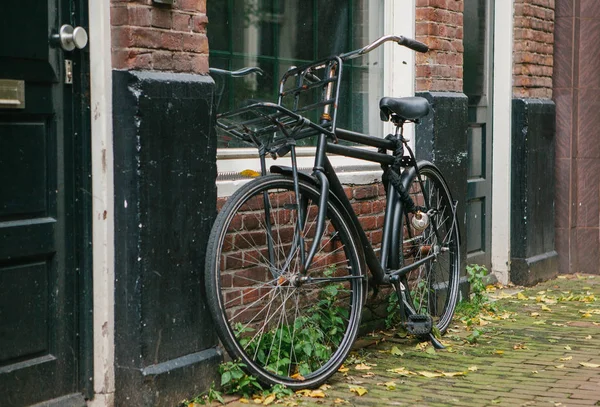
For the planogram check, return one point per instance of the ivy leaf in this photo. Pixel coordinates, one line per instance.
(225, 378)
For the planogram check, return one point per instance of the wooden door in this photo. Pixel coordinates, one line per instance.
(42, 210)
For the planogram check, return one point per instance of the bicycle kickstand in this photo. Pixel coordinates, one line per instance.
(419, 325)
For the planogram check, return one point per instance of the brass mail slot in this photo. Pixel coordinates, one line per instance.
(12, 94)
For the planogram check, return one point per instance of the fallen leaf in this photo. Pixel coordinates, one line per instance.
(499, 352)
(343, 369)
(588, 337)
(362, 366)
(244, 401)
(546, 308)
(586, 364)
(388, 385)
(566, 358)
(568, 347)
(250, 173)
(521, 296)
(340, 401)
(453, 374)
(535, 314)
(297, 376)
(430, 374)
(560, 366)
(402, 371)
(519, 346)
(361, 391)
(473, 368)
(540, 322)
(396, 352)
(269, 400)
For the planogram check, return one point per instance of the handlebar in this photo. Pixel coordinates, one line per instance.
(238, 73)
(407, 42)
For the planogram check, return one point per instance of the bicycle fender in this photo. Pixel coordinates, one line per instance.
(409, 173)
(285, 170)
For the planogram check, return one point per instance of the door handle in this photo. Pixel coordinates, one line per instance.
(70, 38)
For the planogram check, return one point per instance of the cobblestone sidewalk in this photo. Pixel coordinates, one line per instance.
(542, 348)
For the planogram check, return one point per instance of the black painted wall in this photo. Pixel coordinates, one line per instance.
(441, 138)
(533, 258)
(165, 203)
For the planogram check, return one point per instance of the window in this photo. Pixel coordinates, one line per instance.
(278, 34)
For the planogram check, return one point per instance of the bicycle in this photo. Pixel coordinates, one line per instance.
(286, 263)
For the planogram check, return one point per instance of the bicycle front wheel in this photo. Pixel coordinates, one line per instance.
(286, 325)
(432, 287)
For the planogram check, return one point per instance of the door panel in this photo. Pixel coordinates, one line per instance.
(477, 86)
(39, 270)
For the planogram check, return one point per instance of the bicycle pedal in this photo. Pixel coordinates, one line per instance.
(419, 324)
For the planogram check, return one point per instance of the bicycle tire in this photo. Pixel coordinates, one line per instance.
(432, 288)
(283, 332)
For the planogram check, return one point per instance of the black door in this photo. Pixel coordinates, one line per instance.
(43, 216)
(477, 86)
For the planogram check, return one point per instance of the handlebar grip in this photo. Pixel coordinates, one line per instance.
(413, 44)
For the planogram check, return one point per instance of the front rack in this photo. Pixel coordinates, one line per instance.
(308, 95)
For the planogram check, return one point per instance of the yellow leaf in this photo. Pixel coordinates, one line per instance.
(362, 366)
(388, 385)
(519, 346)
(340, 401)
(317, 394)
(567, 347)
(557, 324)
(560, 366)
(258, 400)
(402, 371)
(453, 374)
(499, 352)
(297, 376)
(430, 374)
(546, 308)
(540, 322)
(325, 387)
(250, 173)
(535, 314)
(361, 391)
(521, 296)
(586, 364)
(396, 352)
(588, 337)
(473, 368)
(269, 400)
(244, 401)
(343, 369)
(566, 359)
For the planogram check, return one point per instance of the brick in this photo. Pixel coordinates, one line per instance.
(182, 21)
(162, 18)
(118, 16)
(194, 42)
(139, 16)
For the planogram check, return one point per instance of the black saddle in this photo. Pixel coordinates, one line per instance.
(407, 108)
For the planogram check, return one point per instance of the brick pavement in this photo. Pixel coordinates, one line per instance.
(535, 356)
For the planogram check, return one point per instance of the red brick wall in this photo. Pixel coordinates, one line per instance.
(439, 24)
(149, 36)
(533, 48)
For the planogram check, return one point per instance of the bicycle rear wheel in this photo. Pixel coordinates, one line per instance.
(288, 326)
(432, 287)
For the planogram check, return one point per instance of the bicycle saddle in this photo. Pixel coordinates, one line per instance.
(406, 108)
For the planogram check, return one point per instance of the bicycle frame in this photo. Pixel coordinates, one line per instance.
(388, 265)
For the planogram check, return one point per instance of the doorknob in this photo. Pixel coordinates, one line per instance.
(71, 38)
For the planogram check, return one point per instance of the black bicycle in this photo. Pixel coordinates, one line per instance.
(286, 264)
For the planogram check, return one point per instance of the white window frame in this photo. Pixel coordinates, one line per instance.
(398, 80)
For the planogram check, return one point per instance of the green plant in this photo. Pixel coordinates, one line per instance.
(235, 381)
(478, 301)
(205, 398)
